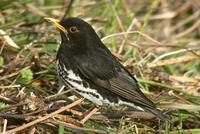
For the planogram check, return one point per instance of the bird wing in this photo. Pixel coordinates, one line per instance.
(102, 69)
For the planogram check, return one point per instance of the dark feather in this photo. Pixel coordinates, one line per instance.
(85, 54)
(101, 68)
(105, 71)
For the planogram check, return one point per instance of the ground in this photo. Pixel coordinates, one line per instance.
(157, 41)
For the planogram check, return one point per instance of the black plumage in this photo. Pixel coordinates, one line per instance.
(85, 63)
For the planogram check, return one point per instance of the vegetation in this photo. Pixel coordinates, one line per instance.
(156, 40)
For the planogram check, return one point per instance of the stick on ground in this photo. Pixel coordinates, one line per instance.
(43, 118)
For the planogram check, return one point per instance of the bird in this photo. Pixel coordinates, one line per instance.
(86, 64)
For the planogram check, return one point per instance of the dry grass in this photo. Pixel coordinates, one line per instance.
(157, 40)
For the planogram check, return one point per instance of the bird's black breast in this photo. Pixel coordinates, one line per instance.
(89, 69)
(103, 72)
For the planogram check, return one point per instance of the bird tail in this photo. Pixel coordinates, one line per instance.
(159, 114)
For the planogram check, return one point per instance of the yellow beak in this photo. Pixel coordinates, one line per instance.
(56, 23)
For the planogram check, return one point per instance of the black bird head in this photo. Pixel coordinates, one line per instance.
(76, 33)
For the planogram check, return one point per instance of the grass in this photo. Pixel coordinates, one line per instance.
(158, 41)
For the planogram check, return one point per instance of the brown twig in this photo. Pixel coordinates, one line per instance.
(125, 37)
(189, 30)
(185, 21)
(35, 10)
(4, 126)
(13, 74)
(37, 111)
(68, 119)
(89, 115)
(7, 100)
(74, 112)
(52, 97)
(44, 118)
(117, 16)
(13, 106)
(177, 60)
(68, 6)
(72, 127)
(18, 116)
(118, 115)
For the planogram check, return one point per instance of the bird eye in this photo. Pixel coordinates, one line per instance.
(73, 29)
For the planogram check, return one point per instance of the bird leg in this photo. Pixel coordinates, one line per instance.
(93, 111)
